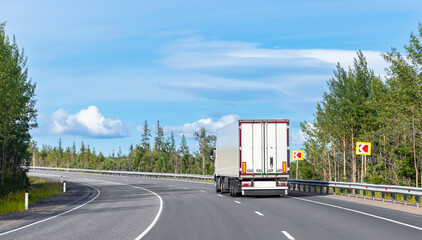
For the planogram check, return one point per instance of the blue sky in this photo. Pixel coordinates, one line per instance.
(104, 67)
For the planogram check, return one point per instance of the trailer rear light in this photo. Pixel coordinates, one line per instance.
(281, 184)
(246, 185)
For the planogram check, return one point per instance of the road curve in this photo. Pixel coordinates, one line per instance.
(145, 208)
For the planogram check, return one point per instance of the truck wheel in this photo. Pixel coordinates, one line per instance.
(221, 186)
(217, 185)
(236, 189)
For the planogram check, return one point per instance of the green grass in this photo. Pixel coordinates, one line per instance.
(40, 188)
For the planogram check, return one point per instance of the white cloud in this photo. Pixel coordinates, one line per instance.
(211, 126)
(87, 122)
(297, 138)
(195, 54)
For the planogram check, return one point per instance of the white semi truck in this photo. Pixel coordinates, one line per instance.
(252, 158)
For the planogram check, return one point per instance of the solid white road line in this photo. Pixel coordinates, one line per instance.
(363, 213)
(219, 195)
(58, 215)
(170, 185)
(186, 188)
(288, 235)
(260, 214)
(202, 191)
(237, 202)
(159, 211)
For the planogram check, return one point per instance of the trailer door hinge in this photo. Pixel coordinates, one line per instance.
(288, 148)
(240, 148)
(287, 126)
(240, 127)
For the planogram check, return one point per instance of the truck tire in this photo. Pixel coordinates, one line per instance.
(237, 192)
(222, 187)
(217, 185)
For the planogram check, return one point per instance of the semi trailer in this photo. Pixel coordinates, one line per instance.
(252, 158)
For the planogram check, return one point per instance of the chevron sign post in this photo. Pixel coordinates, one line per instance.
(297, 155)
(364, 149)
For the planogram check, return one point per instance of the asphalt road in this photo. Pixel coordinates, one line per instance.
(135, 208)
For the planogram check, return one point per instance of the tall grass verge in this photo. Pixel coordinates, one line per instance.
(40, 188)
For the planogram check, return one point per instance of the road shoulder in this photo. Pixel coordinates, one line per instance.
(76, 194)
(411, 209)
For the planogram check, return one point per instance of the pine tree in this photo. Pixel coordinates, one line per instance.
(159, 137)
(145, 137)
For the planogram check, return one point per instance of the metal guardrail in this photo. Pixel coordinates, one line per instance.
(307, 185)
(296, 185)
(191, 177)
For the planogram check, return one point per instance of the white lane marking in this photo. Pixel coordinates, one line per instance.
(156, 217)
(170, 185)
(363, 213)
(58, 215)
(288, 235)
(202, 191)
(237, 202)
(219, 195)
(139, 181)
(186, 188)
(260, 214)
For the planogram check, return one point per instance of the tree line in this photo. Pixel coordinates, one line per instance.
(360, 106)
(17, 114)
(161, 156)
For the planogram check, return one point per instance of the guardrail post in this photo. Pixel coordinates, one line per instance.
(382, 197)
(393, 197)
(364, 194)
(341, 191)
(26, 200)
(373, 195)
(348, 192)
(405, 199)
(64, 186)
(334, 190)
(417, 201)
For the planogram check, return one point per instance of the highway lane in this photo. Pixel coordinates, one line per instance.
(194, 211)
(119, 212)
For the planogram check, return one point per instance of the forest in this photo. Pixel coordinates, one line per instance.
(360, 106)
(161, 156)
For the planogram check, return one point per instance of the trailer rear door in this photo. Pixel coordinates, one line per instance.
(264, 148)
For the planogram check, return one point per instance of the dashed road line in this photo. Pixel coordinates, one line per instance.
(288, 235)
(202, 191)
(260, 214)
(219, 195)
(237, 202)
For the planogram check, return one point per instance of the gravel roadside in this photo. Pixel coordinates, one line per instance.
(75, 194)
